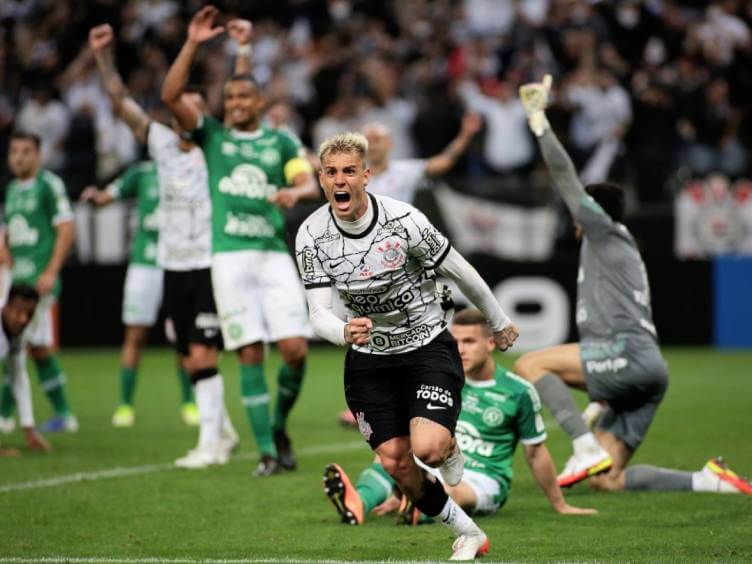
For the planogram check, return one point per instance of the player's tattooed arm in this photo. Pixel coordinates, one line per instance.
(543, 470)
(125, 107)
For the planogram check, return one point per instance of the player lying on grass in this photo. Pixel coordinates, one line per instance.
(17, 312)
(499, 409)
(618, 360)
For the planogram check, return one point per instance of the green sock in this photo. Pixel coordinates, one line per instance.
(374, 486)
(289, 381)
(7, 400)
(52, 380)
(255, 397)
(127, 384)
(186, 389)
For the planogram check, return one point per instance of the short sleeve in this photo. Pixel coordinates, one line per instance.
(125, 186)
(160, 141)
(309, 265)
(60, 205)
(529, 419)
(428, 245)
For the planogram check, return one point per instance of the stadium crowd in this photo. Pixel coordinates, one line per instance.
(646, 87)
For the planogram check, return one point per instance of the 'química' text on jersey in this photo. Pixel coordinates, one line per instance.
(495, 415)
(139, 182)
(385, 273)
(32, 210)
(245, 168)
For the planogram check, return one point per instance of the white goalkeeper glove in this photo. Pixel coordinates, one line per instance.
(534, 97)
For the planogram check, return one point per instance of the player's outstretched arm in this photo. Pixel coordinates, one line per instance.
(455, 267)
(241, 31)
(534, 97)
(200, 30)
(444, 161)
(544, 472)
(97, 197)
(126, 108)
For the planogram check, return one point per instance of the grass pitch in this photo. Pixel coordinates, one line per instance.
(109, 493)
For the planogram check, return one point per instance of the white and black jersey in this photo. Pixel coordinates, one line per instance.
(385, 273)
(184, 202)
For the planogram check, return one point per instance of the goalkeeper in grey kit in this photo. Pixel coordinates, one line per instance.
(618, 359)
(403, 373)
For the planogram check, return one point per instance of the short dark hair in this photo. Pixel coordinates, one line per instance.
(471, 316)
(21, 134)
(610, 197)
(244, 77)
(24, 291)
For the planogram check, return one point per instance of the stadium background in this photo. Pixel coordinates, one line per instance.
(669, 83)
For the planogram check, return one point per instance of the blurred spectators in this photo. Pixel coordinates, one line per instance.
(647, 86)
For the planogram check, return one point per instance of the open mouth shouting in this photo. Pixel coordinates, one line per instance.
(342, 200)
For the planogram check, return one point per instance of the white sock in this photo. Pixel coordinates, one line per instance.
(22, 389)
(227, 427)
(454, 517)
(586, 445)
(209, 401)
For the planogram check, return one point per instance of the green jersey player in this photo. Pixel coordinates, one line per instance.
(618, 359)
(499, 410)
(142, 292)
(253, 172)
(39, 235)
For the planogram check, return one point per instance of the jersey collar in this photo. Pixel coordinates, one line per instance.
(247, 135)
(367, 230)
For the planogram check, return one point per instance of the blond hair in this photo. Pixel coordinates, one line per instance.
(348, 142)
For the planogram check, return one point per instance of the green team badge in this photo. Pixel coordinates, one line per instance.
(492, 416)
(235, 331)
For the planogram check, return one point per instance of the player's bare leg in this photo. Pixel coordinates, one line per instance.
(551, 371)
(289, 382)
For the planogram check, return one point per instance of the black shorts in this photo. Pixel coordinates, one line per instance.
(384, 392)
(190, 310)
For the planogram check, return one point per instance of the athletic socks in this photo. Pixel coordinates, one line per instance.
(7, 401)
(436, 503)
(128, 378)
(555, 395)
(255, 397)
(289, 382)
(210, 403)
(52, 380)
(374, 486)
(651, 478)
(186, 389)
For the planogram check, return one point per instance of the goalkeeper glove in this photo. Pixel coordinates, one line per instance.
(534, 97)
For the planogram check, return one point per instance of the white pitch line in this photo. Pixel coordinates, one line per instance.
(157, 560)
(151, 468)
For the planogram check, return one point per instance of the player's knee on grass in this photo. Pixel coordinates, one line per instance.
(293, 351)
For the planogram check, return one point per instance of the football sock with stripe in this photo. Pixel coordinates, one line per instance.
(52, 380)
(255, 397)
(374, 486)
(186, 390)
(557, 398)
(128, 377)
(644, 477)
(289, 382)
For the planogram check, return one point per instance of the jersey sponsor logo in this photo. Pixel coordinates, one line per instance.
(327, 237)
(607, 365)
(20, 233)
(369, 303)
(364, 426)
(435, 394)
(365, 291)
(494, 396)
(433, 239)
(243, 225)
(248, 181)
(493, 416)
(380, 341)
(364, 271)
(391, 227)
(24, 268)
(229, 149)
(469, 441)
(267, 141)
(431, 406)
(307, 260)
(391, 254)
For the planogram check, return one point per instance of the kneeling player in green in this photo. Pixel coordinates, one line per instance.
(499, 409)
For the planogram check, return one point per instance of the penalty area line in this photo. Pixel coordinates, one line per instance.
(123, 471)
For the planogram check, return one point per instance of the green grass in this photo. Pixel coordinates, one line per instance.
(224, 513)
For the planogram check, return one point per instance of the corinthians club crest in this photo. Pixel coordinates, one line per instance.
(392, 256)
